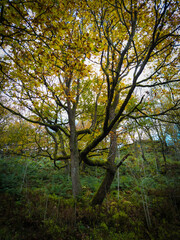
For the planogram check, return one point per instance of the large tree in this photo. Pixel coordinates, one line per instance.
(73, 67)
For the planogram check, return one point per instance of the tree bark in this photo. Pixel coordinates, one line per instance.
(111, 167)
(76, 185)
(74, 152)
(142, 148)
(104, 187)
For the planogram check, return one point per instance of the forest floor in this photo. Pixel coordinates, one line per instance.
(36, 201)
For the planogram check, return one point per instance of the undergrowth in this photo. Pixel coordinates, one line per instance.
(37, 203)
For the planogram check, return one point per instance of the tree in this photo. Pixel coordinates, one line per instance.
(4, 119)
(73, 67)
(17, 138)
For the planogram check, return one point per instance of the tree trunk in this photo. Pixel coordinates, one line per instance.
(164, 156)
(76, 184)
(104, 187)
(142, 148)
(162, 148)
(75, 177)
(111, 167)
